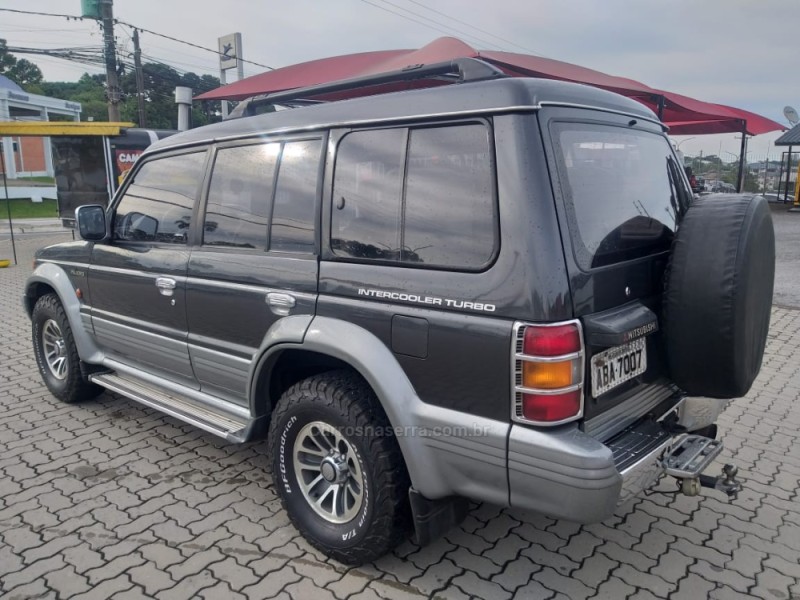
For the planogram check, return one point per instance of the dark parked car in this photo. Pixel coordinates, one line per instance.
(422, 297)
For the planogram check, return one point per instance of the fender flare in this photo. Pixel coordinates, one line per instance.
(370, 357)
(53, 275)
(287, 332)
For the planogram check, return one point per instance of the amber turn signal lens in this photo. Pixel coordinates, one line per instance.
(547, 375)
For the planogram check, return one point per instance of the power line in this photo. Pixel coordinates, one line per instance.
(437, 25)
(169, 37)
(41, 14)
(142, 29)
(457, 20)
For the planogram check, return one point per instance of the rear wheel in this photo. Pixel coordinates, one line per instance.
(56, 354)
(338, 468)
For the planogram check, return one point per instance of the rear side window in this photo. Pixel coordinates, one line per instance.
(420, 196)
(239, 196)
(367, 195)
(295, 197)
(157, 205)
(449, 212)
(623, 195)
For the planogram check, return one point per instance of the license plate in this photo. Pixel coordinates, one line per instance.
(617, 365)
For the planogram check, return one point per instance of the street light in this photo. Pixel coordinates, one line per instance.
(678, 145)
(735, 156)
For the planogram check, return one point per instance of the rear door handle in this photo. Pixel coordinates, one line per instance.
(281, 304)
(166, 285)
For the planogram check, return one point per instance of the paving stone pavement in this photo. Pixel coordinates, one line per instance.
(112, 499)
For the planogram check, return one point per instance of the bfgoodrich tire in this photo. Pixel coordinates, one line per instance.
(719, 295)
(338, 469)
(56, 354)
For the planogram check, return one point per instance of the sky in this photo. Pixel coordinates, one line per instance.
(742, 53)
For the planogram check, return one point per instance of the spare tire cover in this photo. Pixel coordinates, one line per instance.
(719, 295)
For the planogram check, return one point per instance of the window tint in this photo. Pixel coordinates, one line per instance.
(295, 197)
(367, 189)
(239, 196)
(447, 217)
(157, 206)
(449, 211)
(622, 195)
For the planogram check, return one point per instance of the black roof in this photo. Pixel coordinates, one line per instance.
(497, 95)
(790, 138)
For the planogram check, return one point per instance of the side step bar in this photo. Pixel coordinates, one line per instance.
(230, 427)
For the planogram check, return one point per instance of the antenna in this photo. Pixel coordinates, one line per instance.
(791, 115)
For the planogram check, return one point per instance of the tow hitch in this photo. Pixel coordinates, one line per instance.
(687, 460)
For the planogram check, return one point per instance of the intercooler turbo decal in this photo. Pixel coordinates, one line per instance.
(427, 300)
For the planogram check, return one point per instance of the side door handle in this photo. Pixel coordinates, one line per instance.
(166, 285)
(281, 304)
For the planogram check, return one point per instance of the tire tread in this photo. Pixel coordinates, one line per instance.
(348, 394)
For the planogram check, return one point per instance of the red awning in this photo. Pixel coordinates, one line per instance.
(684, 115)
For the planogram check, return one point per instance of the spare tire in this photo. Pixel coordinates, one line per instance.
(719, 295)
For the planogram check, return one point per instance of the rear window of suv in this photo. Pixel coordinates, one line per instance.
(417, 197)
(622, 190)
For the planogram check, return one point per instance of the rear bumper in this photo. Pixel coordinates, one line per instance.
(567, 474)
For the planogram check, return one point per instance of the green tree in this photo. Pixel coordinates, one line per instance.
(160, 81)
(89, 90)
(19, 70)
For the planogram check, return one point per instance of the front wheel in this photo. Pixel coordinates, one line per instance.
(338, 468)
(56, 354)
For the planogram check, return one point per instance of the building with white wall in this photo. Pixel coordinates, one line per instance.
(29, 156)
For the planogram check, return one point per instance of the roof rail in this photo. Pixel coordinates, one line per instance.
(459, 70)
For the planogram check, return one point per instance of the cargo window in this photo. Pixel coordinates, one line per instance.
(239, 196)
(422, 196)
(293, 215)
(621, 198)
(449, 212)
(157, 205)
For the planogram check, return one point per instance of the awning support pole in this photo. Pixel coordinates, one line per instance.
(8, 206)
(742, 159)
(788, 173)
(661, 105)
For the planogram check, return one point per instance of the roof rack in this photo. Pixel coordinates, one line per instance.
(460, 70)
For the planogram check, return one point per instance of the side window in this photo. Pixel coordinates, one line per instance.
(449, 206)
(367, 188)
(158, 204)
(433, 205)
(293, 213)
(239, 196)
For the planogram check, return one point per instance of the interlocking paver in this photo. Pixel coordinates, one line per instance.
(692, 587)
(722, 576)
(613, 589)
(480, 587)
(111, 498)
(437, 576)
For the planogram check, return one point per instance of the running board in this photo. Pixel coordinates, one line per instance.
(230, 427)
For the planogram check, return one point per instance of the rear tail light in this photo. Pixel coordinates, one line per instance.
(547, 373)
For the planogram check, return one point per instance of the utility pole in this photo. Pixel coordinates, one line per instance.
(137, 62)
(110, 50)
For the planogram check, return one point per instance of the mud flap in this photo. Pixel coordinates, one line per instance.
(434, 518)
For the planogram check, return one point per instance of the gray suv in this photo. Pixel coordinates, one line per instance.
(499, 290)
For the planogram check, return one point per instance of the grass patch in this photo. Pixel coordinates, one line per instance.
(23, 208)
(38, 179)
